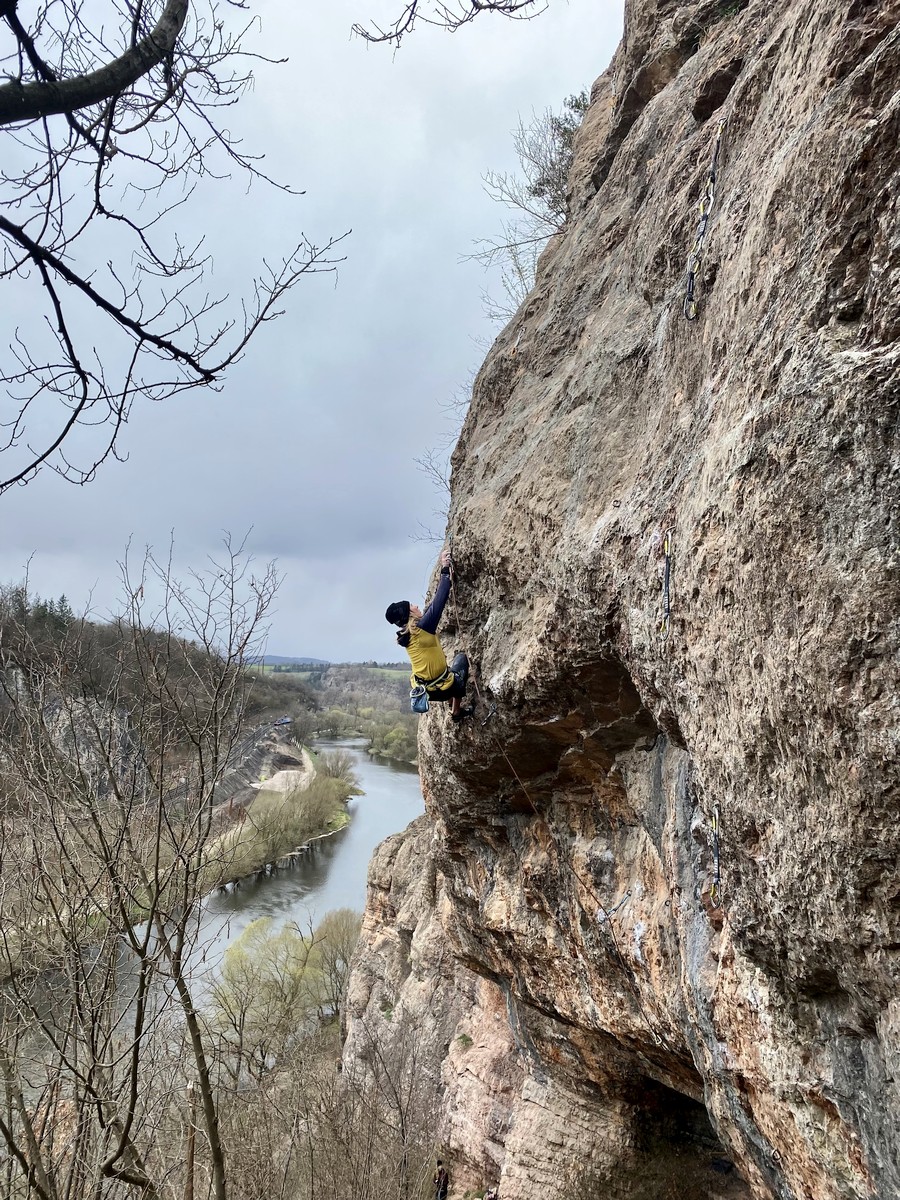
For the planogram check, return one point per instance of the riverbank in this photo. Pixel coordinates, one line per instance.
(330, 875)
(393, 758)
(279, 814)
(278, 801)
(363, 701)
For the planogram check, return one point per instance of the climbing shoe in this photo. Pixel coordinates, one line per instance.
(463, 714)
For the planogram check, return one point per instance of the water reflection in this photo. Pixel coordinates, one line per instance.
(331, 875)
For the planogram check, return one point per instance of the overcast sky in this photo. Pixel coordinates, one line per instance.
(312, 443)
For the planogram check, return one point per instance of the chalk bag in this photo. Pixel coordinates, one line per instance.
(418, 700)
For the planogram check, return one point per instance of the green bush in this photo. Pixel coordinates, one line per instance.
(335, 723)
(276, 824)
(338, 764)
(395, 737)
(274, 981)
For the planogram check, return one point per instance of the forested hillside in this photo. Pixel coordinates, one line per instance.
(365, 700)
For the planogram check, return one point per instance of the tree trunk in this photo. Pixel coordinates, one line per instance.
(29, 101)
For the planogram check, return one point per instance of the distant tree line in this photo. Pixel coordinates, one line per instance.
(36, 632)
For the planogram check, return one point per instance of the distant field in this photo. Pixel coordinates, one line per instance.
(383, 672)
(270, 669)
(304, 674)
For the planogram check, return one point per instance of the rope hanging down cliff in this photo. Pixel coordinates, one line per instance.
(602, 912)
(695, 258)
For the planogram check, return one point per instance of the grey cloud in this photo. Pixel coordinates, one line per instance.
(313, 440)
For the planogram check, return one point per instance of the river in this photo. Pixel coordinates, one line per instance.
(332, 874)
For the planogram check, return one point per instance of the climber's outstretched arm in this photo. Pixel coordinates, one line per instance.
(432, 614)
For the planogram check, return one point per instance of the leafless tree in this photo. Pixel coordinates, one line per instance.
(375, 1122)
(112, 116)
(116, 1078)
(109, 765)
(537, 198)
(446, 14)
(339, 764)
(435, 462)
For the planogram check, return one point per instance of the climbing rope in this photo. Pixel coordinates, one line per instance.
(602, 912)
(695, 258)
(665, 623)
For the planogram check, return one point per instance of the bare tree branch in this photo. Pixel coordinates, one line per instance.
(538, 199)
(110, 125)
(450, 16)
(102, 861)
(26, 102)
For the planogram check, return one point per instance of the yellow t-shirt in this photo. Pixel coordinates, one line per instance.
(427, 658)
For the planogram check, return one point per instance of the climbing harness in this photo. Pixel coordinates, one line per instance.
(715, 892)
(604, 915)
(666, 585)
(431, 684)
(695, 258)
(419, 695)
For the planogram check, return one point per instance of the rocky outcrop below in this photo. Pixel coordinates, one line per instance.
(657, 896)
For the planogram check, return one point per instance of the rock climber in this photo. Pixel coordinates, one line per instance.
(417, 636)
(441, 1181)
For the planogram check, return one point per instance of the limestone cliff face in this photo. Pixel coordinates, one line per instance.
(612, 1015)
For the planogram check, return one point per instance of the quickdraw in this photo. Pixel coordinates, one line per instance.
(604, 914)
(715, 892)
(695, 258)
(666, 620)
